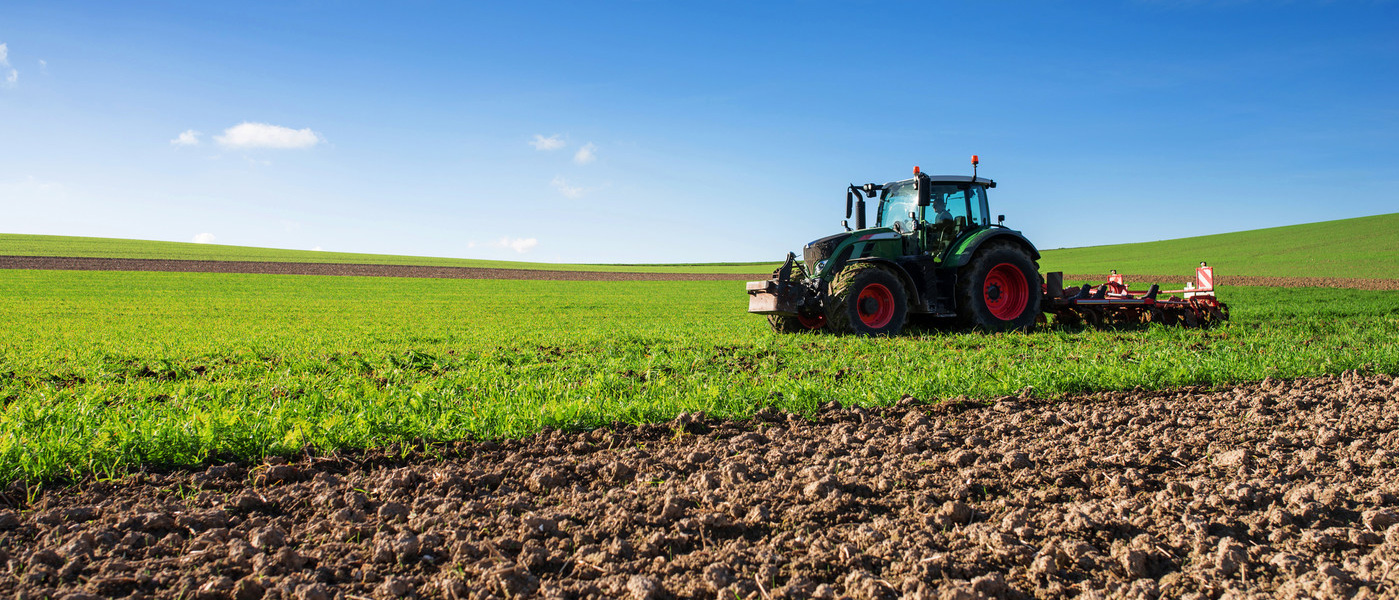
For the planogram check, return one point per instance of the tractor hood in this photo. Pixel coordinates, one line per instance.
(819, 250)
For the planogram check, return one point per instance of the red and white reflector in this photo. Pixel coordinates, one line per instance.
(1204, 278)
(1116, 285)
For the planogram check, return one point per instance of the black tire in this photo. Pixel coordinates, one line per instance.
(786, 324)
(865, 299)
(981, 305)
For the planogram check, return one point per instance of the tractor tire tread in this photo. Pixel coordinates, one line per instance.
(971, 310)
(838, 307)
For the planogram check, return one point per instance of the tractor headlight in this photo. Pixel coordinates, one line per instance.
(820, 267)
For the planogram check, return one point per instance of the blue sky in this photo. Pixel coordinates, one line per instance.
(669, 131)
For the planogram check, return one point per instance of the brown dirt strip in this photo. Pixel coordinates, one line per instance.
(1175, 282)
(364, 270)
(355, 270)
(1286, 489)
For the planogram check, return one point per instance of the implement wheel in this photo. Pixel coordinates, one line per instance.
(999, 290)
(866, 300)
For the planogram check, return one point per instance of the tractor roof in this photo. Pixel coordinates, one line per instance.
(955, 179)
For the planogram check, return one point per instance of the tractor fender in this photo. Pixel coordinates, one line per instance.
(964, 249)
(910, 289)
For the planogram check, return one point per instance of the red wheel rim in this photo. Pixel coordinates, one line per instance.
(880, 311)
(1006, 292)
(815, 322)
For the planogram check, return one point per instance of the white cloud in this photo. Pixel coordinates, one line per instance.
(564, 188)
(318, 249)
(204, 238)
(43, 65)
(13, 76)
(586, 154)
(262, 135)
(188, 137)
(521, 245)
(553, 142)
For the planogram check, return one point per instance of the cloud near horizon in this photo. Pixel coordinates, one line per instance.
(203, 238)
(263, 135)
(521, 245)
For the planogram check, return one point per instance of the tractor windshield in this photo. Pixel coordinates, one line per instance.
(899, 200)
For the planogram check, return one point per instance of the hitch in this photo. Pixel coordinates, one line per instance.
(779, 295)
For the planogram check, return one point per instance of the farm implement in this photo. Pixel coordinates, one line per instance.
(934, 255)
(1112, 304)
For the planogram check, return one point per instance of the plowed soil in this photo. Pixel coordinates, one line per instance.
(1279, 489)
(361, 270)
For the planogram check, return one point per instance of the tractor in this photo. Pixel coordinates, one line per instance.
(932, 255)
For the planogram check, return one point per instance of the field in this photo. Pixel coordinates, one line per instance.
(112, 371)
(230, 436)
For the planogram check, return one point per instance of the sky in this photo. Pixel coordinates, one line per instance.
(650, 131)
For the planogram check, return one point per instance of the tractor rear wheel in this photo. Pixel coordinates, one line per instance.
(866, 300)
(999, 290)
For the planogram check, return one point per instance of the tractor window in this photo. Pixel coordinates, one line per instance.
(978, 206)
(895, 206)
(948, 204)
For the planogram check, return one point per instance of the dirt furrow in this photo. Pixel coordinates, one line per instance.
(363, 270)
(1284, 489)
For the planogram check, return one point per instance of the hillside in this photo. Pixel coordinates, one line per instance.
(55, 245)
(1366, 247)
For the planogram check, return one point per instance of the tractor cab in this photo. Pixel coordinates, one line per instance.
(954, 205)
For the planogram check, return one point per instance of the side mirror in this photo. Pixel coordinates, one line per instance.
(1001, 220)
(849, 202)
(925, 191)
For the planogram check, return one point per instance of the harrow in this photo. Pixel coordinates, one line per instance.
(1113, 304)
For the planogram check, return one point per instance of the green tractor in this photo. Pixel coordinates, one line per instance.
(933, 254)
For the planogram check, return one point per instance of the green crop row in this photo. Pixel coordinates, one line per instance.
(103, 372)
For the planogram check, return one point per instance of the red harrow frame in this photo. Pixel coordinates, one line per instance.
(1113, 304)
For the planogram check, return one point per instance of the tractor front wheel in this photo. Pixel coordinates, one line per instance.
(866, 300)
(797, 324)
(999, 290)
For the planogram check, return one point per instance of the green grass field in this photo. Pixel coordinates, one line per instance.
(103, 372)
(54, 245)
(1367, 248)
